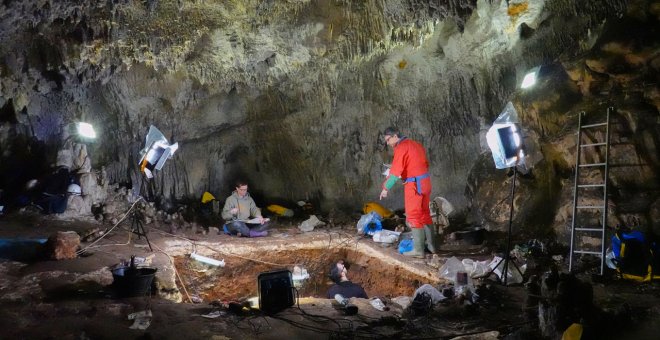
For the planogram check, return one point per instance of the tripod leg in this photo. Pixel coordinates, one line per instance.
(517, 268)
(143, 232)
(508, 241)
(138, 228)
(507, 257)
(492, 271)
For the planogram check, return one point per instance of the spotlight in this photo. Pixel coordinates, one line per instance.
(530, 78)
(86, 130)
(156, 151)
(504, 139)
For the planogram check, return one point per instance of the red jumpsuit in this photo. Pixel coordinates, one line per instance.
(411, 165)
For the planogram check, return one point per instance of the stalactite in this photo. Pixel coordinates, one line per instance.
(334, 76)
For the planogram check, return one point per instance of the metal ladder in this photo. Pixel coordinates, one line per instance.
(576, 228)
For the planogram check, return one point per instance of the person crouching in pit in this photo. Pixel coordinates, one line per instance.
(343, 286)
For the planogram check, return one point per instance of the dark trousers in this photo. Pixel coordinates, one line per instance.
(235, 227)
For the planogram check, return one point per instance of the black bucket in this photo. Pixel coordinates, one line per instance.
(471, 236)
(130, 282)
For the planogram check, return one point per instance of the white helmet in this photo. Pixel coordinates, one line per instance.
(74, 189)
(31, 184)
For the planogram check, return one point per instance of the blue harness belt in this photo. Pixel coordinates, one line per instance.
(418, 180)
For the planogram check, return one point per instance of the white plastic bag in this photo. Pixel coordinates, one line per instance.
(475, 268)
(609, 258)
(436, 295)
(386, 236)
(366, 220)
(450, 268)
(513, 275)
(310, 223)
(403, 301)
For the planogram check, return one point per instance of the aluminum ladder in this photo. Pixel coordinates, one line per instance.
(577, 229)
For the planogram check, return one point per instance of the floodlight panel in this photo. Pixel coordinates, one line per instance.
(166, 154)
(529, 80)
(157, 150)
(86, 130)
(505, 143)
(509, 141)
(154, 154)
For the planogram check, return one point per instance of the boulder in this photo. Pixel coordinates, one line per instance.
(63, 245)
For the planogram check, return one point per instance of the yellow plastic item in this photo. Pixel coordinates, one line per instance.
(379, 209)
(573, 332)
(207, 197)
(279, 210)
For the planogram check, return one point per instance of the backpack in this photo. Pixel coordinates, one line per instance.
(632, 256)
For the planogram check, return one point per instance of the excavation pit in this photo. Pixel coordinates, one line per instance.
(379, 270)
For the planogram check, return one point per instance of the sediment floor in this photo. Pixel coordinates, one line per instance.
(72, 299)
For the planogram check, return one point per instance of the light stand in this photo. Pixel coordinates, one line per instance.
(505, 141)
(156, 151)
(137, 227)
(507, 255)
(506, 144)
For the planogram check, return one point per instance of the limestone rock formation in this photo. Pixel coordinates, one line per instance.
(292, 95)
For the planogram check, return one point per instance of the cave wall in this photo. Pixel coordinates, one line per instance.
(618, 71)
(292, 95)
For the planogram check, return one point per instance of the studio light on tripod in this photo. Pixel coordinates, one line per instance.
(506, 144)
(156, 151)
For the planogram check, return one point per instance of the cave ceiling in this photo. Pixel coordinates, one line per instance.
(290, 94)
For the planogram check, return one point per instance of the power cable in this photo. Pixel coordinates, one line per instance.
(79, 252)
(176, 272)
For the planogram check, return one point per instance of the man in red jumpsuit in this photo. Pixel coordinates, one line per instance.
(412, 167)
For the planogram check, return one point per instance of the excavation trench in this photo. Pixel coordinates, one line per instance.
(378, 270)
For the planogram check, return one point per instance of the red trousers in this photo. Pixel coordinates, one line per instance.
(418, 213)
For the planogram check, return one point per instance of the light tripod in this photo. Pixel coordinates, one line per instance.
(137, 227)
(507, 256)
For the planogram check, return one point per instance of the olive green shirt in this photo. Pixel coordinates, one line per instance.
(246, 208)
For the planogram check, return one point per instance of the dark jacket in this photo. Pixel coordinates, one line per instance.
(347, 289)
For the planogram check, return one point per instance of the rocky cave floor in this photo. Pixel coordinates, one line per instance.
(73, 298)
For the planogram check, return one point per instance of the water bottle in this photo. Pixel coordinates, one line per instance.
(341, 300)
